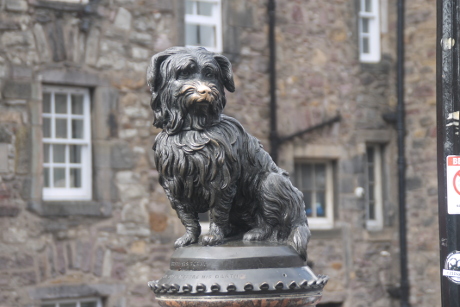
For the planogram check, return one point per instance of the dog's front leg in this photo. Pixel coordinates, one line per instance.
(220, 226)
(192, 226)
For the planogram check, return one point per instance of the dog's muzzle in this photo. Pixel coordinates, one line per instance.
(198, 94)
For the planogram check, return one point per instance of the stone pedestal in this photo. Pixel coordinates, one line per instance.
(238, 274)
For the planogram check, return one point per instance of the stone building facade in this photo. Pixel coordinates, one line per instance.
(109, 245)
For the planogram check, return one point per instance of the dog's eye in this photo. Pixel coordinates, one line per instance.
(208, 73)
(184, 73)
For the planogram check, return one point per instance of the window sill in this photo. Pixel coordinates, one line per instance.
(75, 291)
(71, 208)
(321, 234)
(58, 5)
(384, 234)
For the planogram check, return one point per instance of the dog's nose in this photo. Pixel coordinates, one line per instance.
(203, 90)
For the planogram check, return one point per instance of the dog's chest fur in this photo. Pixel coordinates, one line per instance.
(196, 166)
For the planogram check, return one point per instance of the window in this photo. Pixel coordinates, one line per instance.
(369, 31)
(89, 302)
(203, 24)
(66, 144)
(314, 180)
(374, 182)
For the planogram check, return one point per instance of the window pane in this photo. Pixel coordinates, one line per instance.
(368, 5)
(61, 128)
(365, 45)
(68, 305)
(189, 7)
(371, 192)
(46, 103)
(307, 182)
(60, 103)
(59, 153)
(77, 104)
(320, 176)
(320, 204)
(307, 198)
(191, 35)
(75, 153)
(371, 173)
(365, 25)
(206, 36)
(46, 127)
(77, 129)
(88, 304)
(75, 177)
(59, 177)
(46, 153)
(46, 177)
(204, 8)
(370, 154)
(371, 211)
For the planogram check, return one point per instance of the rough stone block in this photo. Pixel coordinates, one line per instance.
(42, 43)
(103, 180)
(92, 47)
(122, 156)
(413, 183)
(75, 291)
(24, 278)
(98, 261)
(60, 258)
(23, 150)
(17, 90)
(16, 5)
(56, 40)
(102, 152)
(74, 208)
(4, 158)
(9, 211)
(21, 72)
(123, 19)
(104, 117)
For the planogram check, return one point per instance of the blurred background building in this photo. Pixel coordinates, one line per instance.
(83, 220)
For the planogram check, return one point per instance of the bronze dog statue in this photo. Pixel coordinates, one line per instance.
(207, 161)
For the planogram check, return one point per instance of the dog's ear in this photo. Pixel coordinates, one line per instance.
(227, 73)
(154, 78)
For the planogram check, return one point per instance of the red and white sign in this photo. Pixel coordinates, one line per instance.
(453, 184)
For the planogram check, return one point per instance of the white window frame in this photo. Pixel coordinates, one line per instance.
(373, 34)
(375, 223)
(67, 193)
(57, 303)
(215, 20)
(326, 222)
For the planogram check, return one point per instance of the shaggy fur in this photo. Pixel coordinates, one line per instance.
(208, 162)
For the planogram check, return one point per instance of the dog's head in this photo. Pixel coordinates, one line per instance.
(187, 86)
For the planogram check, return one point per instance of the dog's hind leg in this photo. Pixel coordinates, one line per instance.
(281, 210)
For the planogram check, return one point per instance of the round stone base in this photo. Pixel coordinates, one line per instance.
(238, 273)
(284, 301)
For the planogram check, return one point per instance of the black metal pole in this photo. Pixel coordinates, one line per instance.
(447, 84)
(274, 142)
(401, 158)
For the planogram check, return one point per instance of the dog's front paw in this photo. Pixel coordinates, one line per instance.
(212, 239)
(256, 234)
(186, 239)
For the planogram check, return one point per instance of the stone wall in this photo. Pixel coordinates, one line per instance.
(113, 245)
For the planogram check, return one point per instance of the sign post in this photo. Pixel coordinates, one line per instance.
(448, 107)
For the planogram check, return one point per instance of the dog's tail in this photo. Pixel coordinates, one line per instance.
(298, 239)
